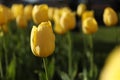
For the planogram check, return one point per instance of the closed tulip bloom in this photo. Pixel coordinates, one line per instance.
(21, 21)
(59, 29)
(87, 14)
(40, 13)
(65, 9)
(3, 17)
(57, 16)
(28, 11)
(111, 69)
(68, 20)
(110, 17)
(7, 12)
(89, 26)
(42, 40)
(51, 11)
(17, 9)
(81, 9)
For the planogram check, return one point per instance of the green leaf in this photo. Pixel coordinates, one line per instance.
(64, 76)
(42, 76)
(11, 69)
(51, 68)
(74, 72)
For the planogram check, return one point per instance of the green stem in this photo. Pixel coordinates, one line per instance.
(69, 55)
(1, 70)
(44, 62)
(91, 56)
(88, 48)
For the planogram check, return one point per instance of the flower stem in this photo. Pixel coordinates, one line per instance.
(44, 62)
(1, 71)
(88, 48)
(69, 55)
(91, 56)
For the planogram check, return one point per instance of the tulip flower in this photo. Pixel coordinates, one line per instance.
(59, 29)
(111, 69)
(40, 13)
(7, 12)
(21, 21)
(17, 9)
(3, 17)
(42, 40)
(110, 17)
(87, 14)
(89, 25)
(51, 11)
(68, 20)
(28, 11)
(81, 9)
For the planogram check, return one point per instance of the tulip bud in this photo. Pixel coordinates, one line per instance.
(111, 69)
(81, 9)
(68, 20)
(51, 11)
(3, 17)
(21, 21)
(42, 40)
(28, 11)
(89, 25)
(87, 14)
(17, 9)
(110, 17)
(40, 13)
(59, 29)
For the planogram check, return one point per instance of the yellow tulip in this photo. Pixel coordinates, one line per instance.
(110, 17)
(111, 69)
(7, 12)
(40, 13)
(68, 20)
(89, 25)
(21, 21)
(81, 9)
(59, 29)
(87, 14)
(42, 40)
(3, 17)
(17, 9)
(56, 16)
(51, 11)
(65, 9)
(28, 11)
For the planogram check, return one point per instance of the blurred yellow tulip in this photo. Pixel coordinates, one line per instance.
(111, 69)
(87, 14)
(65, 9)
(17, 9)
(51, 11)
(68, 20)
(89, 25)
(59, 29)
(40, 13)
(81, 9)
(110, 17)
(28, 11)
(3, 17)
(21, 21)
(42, 40)
(7, 12)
